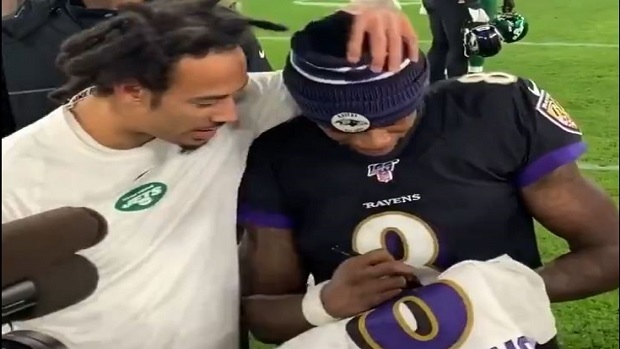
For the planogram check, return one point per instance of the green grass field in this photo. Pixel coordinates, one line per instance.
(571, 51)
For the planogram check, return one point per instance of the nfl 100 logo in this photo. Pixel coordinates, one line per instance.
(383, 171)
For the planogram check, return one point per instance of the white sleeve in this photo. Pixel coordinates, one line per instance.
(19, 175)
(265, 103)
(6, 216)
(10, 205)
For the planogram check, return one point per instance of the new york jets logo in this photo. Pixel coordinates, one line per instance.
(142, 197)
(517, 32)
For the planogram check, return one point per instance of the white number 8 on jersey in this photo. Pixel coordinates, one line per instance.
(498, 78)
(405, 236)
(436, 316)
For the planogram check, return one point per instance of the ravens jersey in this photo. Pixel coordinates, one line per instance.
(495, 304)
(449, 192)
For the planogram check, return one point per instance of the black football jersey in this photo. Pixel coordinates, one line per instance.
(449, 192)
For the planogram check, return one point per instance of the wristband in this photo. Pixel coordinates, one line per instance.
(312, 306)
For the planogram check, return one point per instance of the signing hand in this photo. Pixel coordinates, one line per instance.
(363, 282)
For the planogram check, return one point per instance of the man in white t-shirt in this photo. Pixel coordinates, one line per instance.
(156, 142)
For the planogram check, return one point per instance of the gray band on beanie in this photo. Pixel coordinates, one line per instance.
(349, 97)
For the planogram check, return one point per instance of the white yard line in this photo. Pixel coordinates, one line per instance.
(523, 43)
(594, 167)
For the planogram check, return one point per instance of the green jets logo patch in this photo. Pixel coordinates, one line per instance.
(142, 197)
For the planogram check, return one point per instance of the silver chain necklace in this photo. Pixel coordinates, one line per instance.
(73, 101)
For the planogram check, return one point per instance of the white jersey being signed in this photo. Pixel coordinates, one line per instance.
(498, 304)
(168, 267)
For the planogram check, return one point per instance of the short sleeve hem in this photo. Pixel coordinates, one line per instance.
(248, 215)
(550, 162)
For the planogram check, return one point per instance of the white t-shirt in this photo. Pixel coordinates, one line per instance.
(498, 304)
(168, 267)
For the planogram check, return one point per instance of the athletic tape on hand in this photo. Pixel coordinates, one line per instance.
(312, 306)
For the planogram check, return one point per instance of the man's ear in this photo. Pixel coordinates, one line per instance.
(131, 92)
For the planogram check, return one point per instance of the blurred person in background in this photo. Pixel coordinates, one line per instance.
(451, 20)
(9, 7)
(446, 21)
(31, 41)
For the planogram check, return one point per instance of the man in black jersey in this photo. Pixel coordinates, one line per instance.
(384, 180)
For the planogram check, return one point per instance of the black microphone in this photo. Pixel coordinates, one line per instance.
(31, 245)
(25, 339)
(63, 285)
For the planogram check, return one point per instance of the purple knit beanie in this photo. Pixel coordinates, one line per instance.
(348, 97)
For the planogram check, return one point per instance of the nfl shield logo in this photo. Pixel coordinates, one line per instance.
(383, 171)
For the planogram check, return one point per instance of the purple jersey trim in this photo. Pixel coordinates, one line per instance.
(248, 215)
(549, 162)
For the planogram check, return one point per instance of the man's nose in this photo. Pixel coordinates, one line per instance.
(226, 112)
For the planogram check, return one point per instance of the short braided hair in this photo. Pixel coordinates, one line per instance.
(145, 41)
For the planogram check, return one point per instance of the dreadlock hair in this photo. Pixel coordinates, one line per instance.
(145, 41)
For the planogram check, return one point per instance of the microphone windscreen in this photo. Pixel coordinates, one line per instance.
(26, 339)
(31, 245)
(64, 284)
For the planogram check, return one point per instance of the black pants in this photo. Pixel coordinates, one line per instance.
(446, 18)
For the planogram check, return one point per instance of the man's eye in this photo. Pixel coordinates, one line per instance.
(239, 96)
